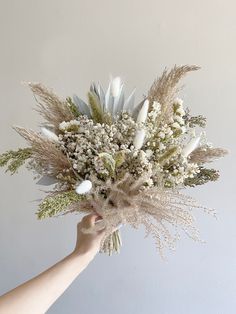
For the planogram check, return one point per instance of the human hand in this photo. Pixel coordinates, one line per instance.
(88, 243)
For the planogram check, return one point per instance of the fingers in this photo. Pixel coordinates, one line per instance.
(90, 220)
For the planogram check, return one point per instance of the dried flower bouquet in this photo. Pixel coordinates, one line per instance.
(126, 162)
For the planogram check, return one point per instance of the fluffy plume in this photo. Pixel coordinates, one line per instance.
(50, 106)
(46, 154)
(165, 88)
(129, 158)
(203, 155)
(128, 202)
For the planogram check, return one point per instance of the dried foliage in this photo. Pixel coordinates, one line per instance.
(48, 156)
(112, 243)
(73, 108)
(207, 154)
(165, 88)
(127, 202)
(51, 107)
(97, 113)
(204, 175)
(15, 159)
(57, 203)
(196, 121)
(137, 158)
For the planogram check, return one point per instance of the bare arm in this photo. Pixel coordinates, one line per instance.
(38, 294)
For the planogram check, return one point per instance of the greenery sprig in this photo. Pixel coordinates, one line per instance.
(13, 160)
(55, 204)
(205, 175)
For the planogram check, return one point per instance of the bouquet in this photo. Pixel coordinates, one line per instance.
(127, 162)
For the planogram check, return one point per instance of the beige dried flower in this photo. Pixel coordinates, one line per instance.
(207, 154)
(127, 201)
(165, 88)
(53, 109)
(46, 153)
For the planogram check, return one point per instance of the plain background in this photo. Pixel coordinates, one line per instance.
(66, 44)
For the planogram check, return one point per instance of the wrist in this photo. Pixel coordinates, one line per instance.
(80, 255)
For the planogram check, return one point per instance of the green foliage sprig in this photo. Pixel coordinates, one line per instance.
(205, 175)
(13, 160)
(197, 121)
(97, 113)
(55, 204)
(73, 107)
(96, 109)
(167, 155)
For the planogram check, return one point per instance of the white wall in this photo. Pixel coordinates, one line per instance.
(66, 44)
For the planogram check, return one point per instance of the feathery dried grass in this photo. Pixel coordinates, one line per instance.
(164, 88)
(157, 209)
(50, 106)
(206, 154)
(46, 154)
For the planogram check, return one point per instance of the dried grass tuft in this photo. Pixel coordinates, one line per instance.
(53, 109)
(160, 211)
(206, 154)
(46, 154)
(165, 88)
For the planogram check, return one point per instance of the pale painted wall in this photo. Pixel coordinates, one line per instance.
(66, 44)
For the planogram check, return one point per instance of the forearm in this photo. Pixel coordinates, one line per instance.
(38, 294)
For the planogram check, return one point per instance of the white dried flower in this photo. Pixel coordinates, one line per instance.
(84, 187)
(180, 111)
(156, 106)
(140, 133)
(142, 115)
(63, 126)
(179, 101)
(193, 144)
(139, 139)
(115, 86)
(49, 135)
(176, 125)
(161, 135)
(179, 119)
(149, 153)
